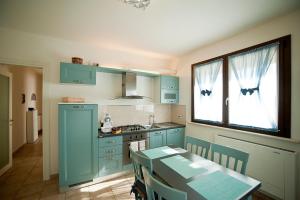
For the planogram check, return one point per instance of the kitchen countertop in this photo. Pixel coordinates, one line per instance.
(155, 127)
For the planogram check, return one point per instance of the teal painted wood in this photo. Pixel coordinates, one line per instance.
(109, 141)
(77, 74)
(78, 144)
(157, 139)
(230, 153)
(162, 191)
(197, 146)
(138, 161)
(169, 82)
(110, 150)
(110, 155)
(175, 137)
(110, 164)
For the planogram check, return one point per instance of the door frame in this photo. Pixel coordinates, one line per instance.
(9, 165)
(46, 105)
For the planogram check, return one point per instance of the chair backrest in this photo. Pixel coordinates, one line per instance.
(230, 153)
(138, 161)
(201, 146)
(156, 188)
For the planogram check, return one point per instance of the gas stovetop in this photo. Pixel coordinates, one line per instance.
(131, 128)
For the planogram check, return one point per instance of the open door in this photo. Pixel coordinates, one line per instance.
(5, 122)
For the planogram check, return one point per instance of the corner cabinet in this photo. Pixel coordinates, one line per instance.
(77, 74)
(175, 137)
(78, 144)
(167, 89)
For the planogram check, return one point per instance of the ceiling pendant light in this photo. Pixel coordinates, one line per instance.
(138, 3)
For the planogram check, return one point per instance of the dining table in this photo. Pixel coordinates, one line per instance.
(200, 178)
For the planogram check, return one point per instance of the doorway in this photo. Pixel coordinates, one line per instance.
(26, 113)
(5, 121)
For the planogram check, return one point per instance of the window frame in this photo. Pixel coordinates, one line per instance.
(284, 93)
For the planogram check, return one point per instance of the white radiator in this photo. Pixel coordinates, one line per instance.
(274, 167)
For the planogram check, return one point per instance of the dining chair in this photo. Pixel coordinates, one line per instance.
(201, 146)
(138, 187)
(228, 152)
(158, 190)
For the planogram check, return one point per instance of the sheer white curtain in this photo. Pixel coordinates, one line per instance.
(208, 91)
(253, 87)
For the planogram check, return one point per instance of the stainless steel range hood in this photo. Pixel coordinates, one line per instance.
(129, 90)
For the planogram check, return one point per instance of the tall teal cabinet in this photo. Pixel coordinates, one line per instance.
(78, 143)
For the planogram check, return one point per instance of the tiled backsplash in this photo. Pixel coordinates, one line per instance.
(136, 114)
(178, 114)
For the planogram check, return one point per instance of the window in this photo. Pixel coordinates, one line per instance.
(247, 90)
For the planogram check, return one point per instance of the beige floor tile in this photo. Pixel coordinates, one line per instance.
(78, 193)
(123, 192)
(105, 194)
(29, 190)
(61, 196)
(50, 190)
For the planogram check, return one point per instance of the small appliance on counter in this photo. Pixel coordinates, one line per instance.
(107, 124)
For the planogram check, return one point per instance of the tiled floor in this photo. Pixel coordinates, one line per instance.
(24, 181)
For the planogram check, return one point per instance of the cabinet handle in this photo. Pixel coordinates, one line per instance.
(75, 106)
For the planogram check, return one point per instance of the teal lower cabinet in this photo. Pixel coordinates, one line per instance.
(175, 137)
(110, 155)
(157, 139)
(78, 143)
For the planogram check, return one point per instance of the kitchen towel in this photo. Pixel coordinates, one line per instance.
(183, 166)
(159, 152)
(134, 146)
(219, 186)
(142, 145)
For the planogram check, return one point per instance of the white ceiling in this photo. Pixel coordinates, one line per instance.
(166, 27)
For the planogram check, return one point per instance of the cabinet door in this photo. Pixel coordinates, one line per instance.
(169, 82)
(157, 139)
(175, 137)
(78, 74)
(78, 144)
(110, 164)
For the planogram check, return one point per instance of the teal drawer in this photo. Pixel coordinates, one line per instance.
(155, 133)
(110, 164)
(110, 150)
(109, 141)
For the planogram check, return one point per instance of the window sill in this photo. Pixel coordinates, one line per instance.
(247, 132)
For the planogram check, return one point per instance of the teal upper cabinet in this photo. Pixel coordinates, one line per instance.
(77, 74)
(78, 143)
(169, 82)
(167, 89)
(157, 139)
(175, 137)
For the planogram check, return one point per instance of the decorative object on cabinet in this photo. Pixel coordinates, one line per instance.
(77, 60)
(73, 100)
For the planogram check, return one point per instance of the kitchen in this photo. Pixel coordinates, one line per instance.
(36, 38)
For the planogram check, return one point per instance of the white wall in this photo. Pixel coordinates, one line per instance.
(278, 27)
(27, 49)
